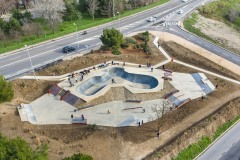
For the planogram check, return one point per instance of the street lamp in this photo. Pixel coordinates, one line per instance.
(118, 20)
(30, 61)
(76, 32)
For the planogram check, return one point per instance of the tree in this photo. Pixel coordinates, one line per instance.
(12, 24)
(160, 109)
(17, 14)
(106, 8)
(20, 150)
(27, 17)
(92, 7)
(79, 156)
(30, 29)
(6, 90)
(72, 12)
(2, 37)
(112, 38)
(233, 14)
(6, 6)
(82, 5)
(51, 10)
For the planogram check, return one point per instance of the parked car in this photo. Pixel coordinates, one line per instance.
(67, 49)
(185, 1)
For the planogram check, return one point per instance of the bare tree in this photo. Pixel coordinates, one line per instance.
(51, 10)
(159, 109)
(6, 6)
(92, 7)
(2, 37)
(32, 29)
(232, 14)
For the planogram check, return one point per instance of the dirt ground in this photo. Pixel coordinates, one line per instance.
(221, 32)
(105, 142)
(190, 57)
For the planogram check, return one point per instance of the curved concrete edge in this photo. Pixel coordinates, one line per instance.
(65, 76)
(141, 71)
(216, 140)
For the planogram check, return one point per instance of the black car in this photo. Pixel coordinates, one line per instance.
(67, 49)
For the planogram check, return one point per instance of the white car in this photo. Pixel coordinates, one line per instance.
(151, 19)
(185, 1)
(180, 11)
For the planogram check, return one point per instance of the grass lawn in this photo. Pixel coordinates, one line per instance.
(67, 27)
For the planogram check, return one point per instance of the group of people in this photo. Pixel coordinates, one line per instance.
(82, 117)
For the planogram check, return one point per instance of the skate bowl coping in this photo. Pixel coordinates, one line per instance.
(123, 78)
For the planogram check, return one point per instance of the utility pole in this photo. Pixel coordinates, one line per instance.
(113, 9)
(76, 33)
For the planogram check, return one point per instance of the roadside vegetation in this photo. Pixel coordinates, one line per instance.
(224, 11)
(227, 12)
(113, 40)
(189, 25)
(6, 90)
(22, 29)
(196, 148)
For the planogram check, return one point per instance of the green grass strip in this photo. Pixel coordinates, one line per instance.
(67, 27)
(196, 148)
(189, 25)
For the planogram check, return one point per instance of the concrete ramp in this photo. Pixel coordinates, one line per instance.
(97, 83)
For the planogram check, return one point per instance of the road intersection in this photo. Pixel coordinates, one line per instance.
(17, 63)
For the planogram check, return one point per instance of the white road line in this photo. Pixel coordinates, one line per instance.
(42, 54)
(15, 57)
(235, 59)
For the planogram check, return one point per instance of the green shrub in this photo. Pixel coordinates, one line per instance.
(19, 149)
(129, 40)
(6, 90)
(112, 38)
(79, 156)
(136, 46)
(124, 45)
(104, 48)
(116, 52)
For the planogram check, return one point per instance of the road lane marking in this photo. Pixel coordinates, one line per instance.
(40, 54)
(15, 57)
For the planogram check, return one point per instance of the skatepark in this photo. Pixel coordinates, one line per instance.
(61, 104)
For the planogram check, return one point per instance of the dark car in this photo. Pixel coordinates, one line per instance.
(67, 49)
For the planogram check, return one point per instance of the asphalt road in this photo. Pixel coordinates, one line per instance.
(17, 63)
(226, 148)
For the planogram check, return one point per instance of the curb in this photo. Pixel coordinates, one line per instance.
(183, 29)
(216, 139)
(89, 29)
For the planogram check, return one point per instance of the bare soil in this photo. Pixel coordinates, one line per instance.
(178, 52)
(106, 142)
(221, 32)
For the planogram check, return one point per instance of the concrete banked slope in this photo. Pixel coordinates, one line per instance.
(96, 83)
